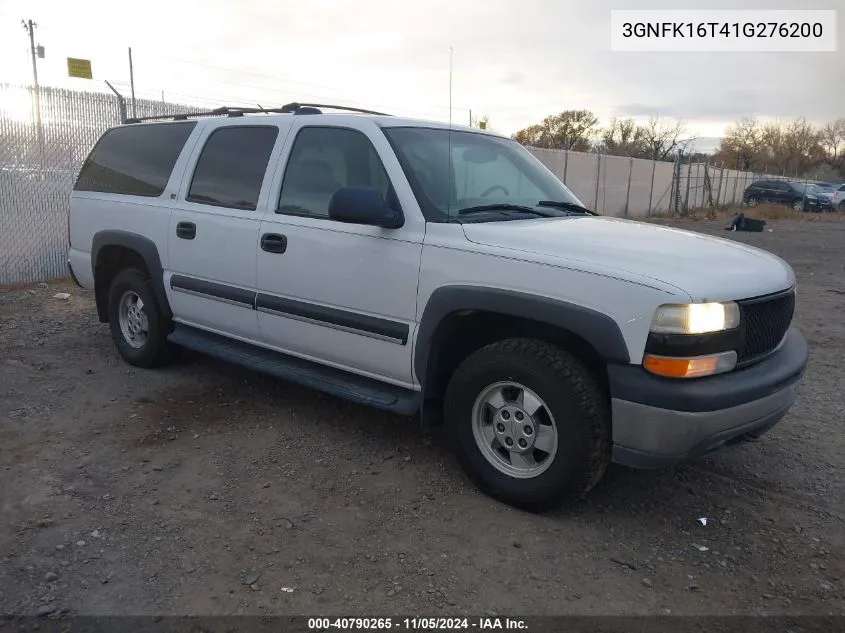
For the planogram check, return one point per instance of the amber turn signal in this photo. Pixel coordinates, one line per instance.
(690, 367)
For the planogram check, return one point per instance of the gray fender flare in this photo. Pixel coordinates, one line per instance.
(148, 251)
(597, 329)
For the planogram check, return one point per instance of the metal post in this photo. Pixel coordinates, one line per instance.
(676, 183)
(39, 131)
(132, 83)
(628, 193)
(736, 184)
(121, 103)
(689, 177)
(604, 187)
(721, 178)
(651, 189)
(565, 164)
(598, 181)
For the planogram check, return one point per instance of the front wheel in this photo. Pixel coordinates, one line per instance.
(752, 201)
(798, 205)
(528, 423)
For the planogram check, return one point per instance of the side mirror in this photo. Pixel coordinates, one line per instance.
(363, 205)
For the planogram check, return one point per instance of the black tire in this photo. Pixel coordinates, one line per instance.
(572, 395)
(752, 201)
(841, 207)
(156, 350)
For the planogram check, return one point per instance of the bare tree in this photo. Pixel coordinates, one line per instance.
(788, 148)
(802, 146)
(832, 139)
(661, 138)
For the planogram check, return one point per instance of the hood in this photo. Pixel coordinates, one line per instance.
(706, 268)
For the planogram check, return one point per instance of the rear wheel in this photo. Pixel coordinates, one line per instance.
(528, 423)
(137, 326)
(798, 205)
(841, 207)
(752, 201)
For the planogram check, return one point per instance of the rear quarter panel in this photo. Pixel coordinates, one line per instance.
(91, 212)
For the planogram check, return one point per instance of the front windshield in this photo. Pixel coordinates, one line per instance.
(483, 170)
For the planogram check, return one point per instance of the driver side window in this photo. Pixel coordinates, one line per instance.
(323, 160)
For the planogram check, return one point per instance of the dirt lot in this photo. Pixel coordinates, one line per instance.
(169, 492)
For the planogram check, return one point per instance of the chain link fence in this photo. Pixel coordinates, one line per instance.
(639, 188)
(38, 165)
(702, 185)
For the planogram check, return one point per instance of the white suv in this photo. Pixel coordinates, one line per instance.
(438, 272)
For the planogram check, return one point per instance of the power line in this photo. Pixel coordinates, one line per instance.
(241, 72)
(275, 79)
(252, 98)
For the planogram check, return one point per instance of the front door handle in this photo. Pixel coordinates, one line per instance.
(274, 243)
(186, 230)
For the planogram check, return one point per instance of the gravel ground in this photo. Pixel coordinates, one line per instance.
(207, 489)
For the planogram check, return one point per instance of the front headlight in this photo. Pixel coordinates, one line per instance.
(695, 318)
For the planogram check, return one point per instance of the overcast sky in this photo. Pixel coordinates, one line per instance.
(515, 60)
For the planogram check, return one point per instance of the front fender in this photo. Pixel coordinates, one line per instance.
(597, 329)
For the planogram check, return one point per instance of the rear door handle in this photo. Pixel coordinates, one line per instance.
(274, 243)
(186, 230)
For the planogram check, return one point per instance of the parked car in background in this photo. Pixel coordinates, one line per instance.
(824, 191)
(838, 199)
(798, 195)
(833, 194)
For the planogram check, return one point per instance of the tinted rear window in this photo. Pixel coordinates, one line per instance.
(231, 168)
(134, 160)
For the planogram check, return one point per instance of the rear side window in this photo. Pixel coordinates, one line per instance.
(134, 160)
(231, 168)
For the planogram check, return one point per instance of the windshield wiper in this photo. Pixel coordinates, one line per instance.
(566, 206)
(504, 206)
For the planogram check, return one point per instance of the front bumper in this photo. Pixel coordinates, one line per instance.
(659, 421)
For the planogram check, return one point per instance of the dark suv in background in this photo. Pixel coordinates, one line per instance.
(798, 195)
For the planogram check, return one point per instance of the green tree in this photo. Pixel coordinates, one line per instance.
(623, 137)
(571, 129)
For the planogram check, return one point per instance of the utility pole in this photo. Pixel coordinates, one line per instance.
(132, 83)
(29, 25)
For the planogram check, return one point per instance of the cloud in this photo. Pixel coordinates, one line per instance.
(517, 62)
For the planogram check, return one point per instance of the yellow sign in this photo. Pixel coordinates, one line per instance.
(79, 68)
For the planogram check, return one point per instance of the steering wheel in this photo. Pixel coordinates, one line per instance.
(493, 188)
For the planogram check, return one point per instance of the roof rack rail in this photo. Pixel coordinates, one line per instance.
(290, 108)
(300, 108)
